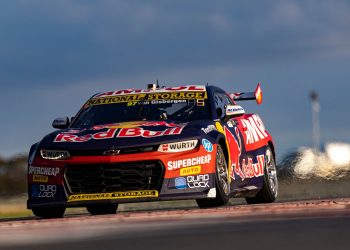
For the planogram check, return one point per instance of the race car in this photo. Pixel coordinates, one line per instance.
(153, 144)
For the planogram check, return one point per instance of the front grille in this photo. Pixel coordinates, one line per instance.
(114, 177)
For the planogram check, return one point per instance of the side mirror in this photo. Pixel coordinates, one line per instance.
(233, 111)
(61, 123)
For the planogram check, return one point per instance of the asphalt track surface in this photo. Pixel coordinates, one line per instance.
(320, 224)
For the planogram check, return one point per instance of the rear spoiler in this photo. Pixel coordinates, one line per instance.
(245, 96)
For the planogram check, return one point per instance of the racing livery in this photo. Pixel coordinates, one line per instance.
(159, 143)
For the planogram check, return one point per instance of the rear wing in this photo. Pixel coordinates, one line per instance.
(245, 96)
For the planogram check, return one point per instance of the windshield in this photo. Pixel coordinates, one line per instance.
(181, 110)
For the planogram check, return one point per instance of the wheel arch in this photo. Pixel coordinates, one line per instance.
(222, 143)
(272, 146)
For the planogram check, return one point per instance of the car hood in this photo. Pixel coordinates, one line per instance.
(123, 135)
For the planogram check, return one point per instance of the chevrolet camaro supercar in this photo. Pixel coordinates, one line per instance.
(168, 143)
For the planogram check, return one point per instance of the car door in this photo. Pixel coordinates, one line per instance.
(234, 140)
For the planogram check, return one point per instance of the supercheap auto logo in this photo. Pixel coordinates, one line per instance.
(189, 162)
(190, 170)
(40, 178)
(47, 171)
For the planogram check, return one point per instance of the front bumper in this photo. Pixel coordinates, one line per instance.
(184, 175)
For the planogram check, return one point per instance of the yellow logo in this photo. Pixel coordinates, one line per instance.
(190, 170)
(146, 97)
(114, 196)
(40, 178)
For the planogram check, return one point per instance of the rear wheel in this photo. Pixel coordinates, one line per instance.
(221, 183)
(102, 209)
(268, 192)
(56, 212)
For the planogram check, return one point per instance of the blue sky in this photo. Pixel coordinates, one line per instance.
(56, 54)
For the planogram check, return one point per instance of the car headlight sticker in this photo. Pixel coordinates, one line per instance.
(54, 154)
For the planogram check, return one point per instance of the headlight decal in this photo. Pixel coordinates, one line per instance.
(54, 154)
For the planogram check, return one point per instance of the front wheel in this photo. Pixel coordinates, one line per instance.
(56, 212)
(268, 192)
(221, 183)
(102, 209)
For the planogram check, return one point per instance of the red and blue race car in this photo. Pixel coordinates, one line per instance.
(159, 143)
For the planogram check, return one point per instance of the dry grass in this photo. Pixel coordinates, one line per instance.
(14, 207)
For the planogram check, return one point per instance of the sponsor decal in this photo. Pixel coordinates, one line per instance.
(115, 99)
(208, 129)
(164, 148)
(178, 146)
(131, 99)
(232, 148)
(40, 178)
(234, 108)
(123, 133)
(254, 129)
(198, 181)
(211, 193)
(44, 191)
(180, 183)
(250, 169)
(192, 88)
(177, 96)
(190, 170)
(60, 121)
(137, 124)
(163, 101)
(200, 160)
(114, 196)
(230, 124)
(43, 171)
(140, 132)
(208, 146)
(54, 154)
(235, 149)
(110, 133)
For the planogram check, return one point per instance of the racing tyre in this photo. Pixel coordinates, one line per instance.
(56, 212)
(268, 192)
(221, 183)
(102, 209)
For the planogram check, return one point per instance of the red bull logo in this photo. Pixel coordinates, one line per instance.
(251, 169)
(123, 130)
(235, 152)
